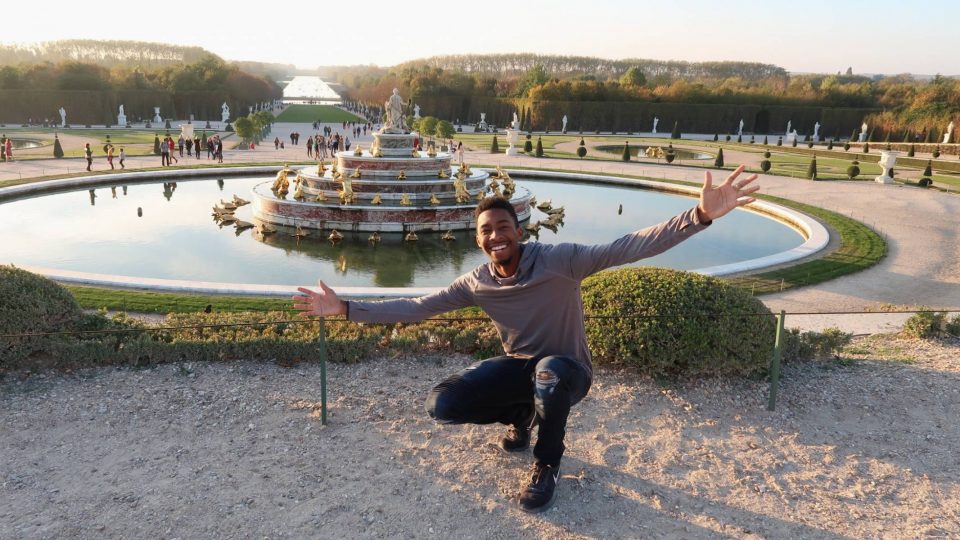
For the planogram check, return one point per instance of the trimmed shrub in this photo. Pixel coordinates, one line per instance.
(675, 134)
(779, 141)
(669, 155)
(812, 169)
(809, 144)
(925, 182)
(156, 145)
(924, 325)
(765, 140)
(581, 151)
(718, 162)
(57, 148)
(727, 137)
(853, 171)
(494, 147)
(696, 324)
(765, 165)
(928, 170)
(716, 137)
(936, 152)
(626, 151)
(753, 140)
(846, 146)
(739, 138)
(539, 152)
(766, 154)
(866, 148)
(912, 151)
(794, 144)
(34, 304)
(528, 145)
(830, 144)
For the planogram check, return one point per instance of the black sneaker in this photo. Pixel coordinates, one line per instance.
(540, 493)
(518, 437)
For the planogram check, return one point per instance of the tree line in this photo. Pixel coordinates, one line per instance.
(102, 53)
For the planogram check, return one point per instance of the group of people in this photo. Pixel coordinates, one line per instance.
(320, 147)
(169, 147)
(109, 150)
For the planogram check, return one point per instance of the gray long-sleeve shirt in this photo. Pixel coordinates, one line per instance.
(538, 311)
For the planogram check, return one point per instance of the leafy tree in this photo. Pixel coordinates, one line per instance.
(444, 129)
(244, 128)
(428, 125)
(718, 162)
(536, 76)
(633, 77)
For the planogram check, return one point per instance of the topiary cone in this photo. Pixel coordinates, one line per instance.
(57, 148)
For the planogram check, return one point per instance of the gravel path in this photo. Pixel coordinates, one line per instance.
(858, 449)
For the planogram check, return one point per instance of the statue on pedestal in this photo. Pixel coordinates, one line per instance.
(863, 132)
(416, 111)
(156, 115)
(789, 124)
(63, 117)
(656, 120)
(121, 118)
(740, 129)
(816, 130)
(394, 109)
(224, 112)
(564, 128)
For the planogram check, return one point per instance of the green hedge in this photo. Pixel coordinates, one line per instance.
(684, 323)
(657, 321)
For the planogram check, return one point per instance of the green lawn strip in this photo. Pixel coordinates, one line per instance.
(132, 301)
(312, 113)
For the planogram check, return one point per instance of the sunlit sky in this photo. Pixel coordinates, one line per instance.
(880, 36)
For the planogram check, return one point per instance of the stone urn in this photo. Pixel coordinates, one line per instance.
(887, 159)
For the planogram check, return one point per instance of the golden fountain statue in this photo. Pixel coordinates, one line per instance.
(405, 200)
(376, 199)
(356, 173)
(442, 174)
(402, 175)
(434, 200)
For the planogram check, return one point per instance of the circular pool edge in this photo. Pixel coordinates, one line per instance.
(815, 234)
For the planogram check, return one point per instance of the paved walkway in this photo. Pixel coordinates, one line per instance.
(920, 226)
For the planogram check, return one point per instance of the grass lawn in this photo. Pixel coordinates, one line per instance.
(135, 142)
(312, 113)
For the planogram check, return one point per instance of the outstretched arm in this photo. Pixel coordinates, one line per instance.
(716, 202)
(326, 303)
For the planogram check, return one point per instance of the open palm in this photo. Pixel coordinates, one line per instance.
(716, 202)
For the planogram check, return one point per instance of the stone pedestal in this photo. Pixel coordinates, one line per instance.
(122, 120)
(887, 160)
(862, 137)
(513, 137)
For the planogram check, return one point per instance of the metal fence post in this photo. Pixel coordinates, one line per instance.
(775, 363)
(323, 371)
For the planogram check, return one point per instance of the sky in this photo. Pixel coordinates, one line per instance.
(879, 36)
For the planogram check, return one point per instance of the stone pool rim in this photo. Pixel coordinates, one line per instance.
(815, 234)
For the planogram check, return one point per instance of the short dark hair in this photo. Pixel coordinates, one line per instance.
(490, 203)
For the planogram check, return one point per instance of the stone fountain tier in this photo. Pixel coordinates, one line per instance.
(395, 144)
(366, 187)
(364, 217)
(390, 166)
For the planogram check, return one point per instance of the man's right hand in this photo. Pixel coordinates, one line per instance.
(319, 304)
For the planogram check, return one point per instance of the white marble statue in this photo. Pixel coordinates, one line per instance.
(949, 133)
(516, 121)
(121, 118)
(156, 115)
(816, 131)
(394, 109)
(656, 120)
(121, 110)
(416, 111)
(63, 117)
(863, 132)
(740, 129)
(564, 129)
(483, 118)
(789, 123)
(224, 112)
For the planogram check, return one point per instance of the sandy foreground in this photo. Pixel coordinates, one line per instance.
(861, 448)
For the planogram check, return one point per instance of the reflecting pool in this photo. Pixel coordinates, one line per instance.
(165, 230)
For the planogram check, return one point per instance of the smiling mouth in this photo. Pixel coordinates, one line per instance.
(497, 249)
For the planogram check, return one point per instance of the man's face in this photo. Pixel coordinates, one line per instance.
(499, 237)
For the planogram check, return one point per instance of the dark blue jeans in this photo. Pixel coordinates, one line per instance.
(508, 390)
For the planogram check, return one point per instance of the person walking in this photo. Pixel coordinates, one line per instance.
(531, 292)
(196, 145)
(8, 148)
(219, 150)
(88, 153)
(180, 145)
(123, 156)
(171, 144)
(110, 156)
(189, 143)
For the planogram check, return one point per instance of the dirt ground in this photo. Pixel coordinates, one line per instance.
(859, 447)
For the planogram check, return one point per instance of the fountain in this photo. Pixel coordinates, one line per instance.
(391, 187)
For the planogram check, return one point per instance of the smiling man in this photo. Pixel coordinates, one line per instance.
(532, 293)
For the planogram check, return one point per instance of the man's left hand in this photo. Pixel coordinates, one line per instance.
(716, 202)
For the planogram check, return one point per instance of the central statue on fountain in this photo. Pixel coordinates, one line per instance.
(394, 122)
